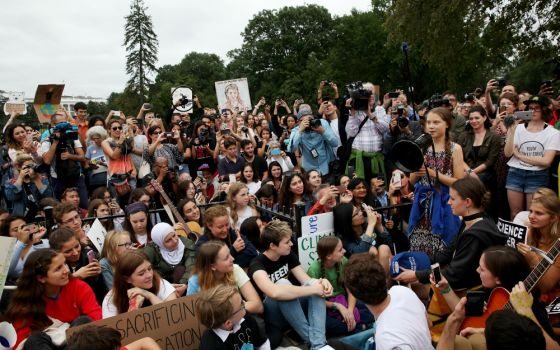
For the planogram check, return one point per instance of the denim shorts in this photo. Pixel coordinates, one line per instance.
(526, 181)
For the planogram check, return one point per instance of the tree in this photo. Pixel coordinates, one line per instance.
(142, 47)
(278, 46)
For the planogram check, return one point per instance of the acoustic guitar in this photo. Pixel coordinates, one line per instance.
(499, 298)
(188, 231)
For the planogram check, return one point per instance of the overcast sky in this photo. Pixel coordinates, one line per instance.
(79, 42)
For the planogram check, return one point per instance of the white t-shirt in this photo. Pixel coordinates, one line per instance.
(403, 324)
(534, 144)
(109, 309)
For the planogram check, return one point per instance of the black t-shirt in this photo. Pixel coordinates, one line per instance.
(248, 334)
(276, 270)
(259, 164)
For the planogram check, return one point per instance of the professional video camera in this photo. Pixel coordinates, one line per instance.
(67, 131)
(437, 100)
(360, 96)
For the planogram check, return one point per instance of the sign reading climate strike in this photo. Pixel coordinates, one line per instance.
(172, 324)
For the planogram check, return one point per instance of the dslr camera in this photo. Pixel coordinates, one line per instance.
(402, 121)
(359, 95)
(204, 136)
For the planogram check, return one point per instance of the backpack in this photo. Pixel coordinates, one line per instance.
(67, 170)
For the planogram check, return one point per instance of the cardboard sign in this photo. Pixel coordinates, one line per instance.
(7, 244)
(172, 324)
(96, 234)
(515, 233)
(320, 223)
(307, 248)
(554, 307)
(15, 104)
(47, 101)
(233, 94)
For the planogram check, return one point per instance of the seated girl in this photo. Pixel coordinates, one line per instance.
(98, 208)
(47, 295)
(136, 285)
(344, 314)
(138, 223)
(82, 263)
(239, 204)
(191, 215)
(218, 228)
(116, 244)
(172, 256)
(214, 266)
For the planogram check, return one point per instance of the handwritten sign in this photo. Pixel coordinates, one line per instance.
(320, 223)
(47, 101)
(515, 233)
(307, 248)
(96, 234)
(172, 324)
(7, 244)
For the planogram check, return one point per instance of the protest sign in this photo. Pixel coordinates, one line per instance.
(320, 223)
(96, 234)
(47, 101)
(307, 248)
(172, 324)
(515, 233)
(7, 244)
(15, 104)
(233, 94)
(182, 94)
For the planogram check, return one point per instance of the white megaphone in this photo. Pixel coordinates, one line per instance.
(8, 336)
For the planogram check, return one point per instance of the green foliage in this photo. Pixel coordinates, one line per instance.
(97, 108)
(279, 47)
(141, 46)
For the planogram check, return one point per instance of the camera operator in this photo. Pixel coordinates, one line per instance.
(63, 152)
(329, 111)
(366, 157)
(315, 139)
(401, 127)
(27, 189)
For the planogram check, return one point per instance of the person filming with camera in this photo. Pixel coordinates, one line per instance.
(315, 139)
(27, 188)
(367, 144)
(63, 152)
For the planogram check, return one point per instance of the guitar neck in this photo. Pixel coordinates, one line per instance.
(534, 277)
(174, 210)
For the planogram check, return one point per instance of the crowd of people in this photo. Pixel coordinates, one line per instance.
(205, 203)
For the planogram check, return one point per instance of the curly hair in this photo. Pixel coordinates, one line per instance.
(365, 278)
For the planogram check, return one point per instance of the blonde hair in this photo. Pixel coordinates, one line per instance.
(214, 305)
(233, 191)
(205, 257)
(111, 245)
(22, 157)
(549, 234)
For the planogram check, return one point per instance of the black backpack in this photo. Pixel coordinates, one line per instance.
(67, 170)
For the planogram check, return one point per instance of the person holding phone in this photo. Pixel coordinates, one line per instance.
(29, 239)
(82, 264)
(499, 266)
(468, 198)
(532, 147)
(48, 295)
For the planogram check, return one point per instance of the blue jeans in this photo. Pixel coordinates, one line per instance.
(280, 314)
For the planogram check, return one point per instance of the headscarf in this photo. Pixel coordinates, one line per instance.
(159, 233)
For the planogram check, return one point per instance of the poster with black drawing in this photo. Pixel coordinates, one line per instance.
(233, 95)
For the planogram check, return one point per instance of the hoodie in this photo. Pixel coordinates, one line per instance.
(460, 259)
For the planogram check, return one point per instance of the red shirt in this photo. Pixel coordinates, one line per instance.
(75, 299)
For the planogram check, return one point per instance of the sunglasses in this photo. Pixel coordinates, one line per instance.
(115, 128)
